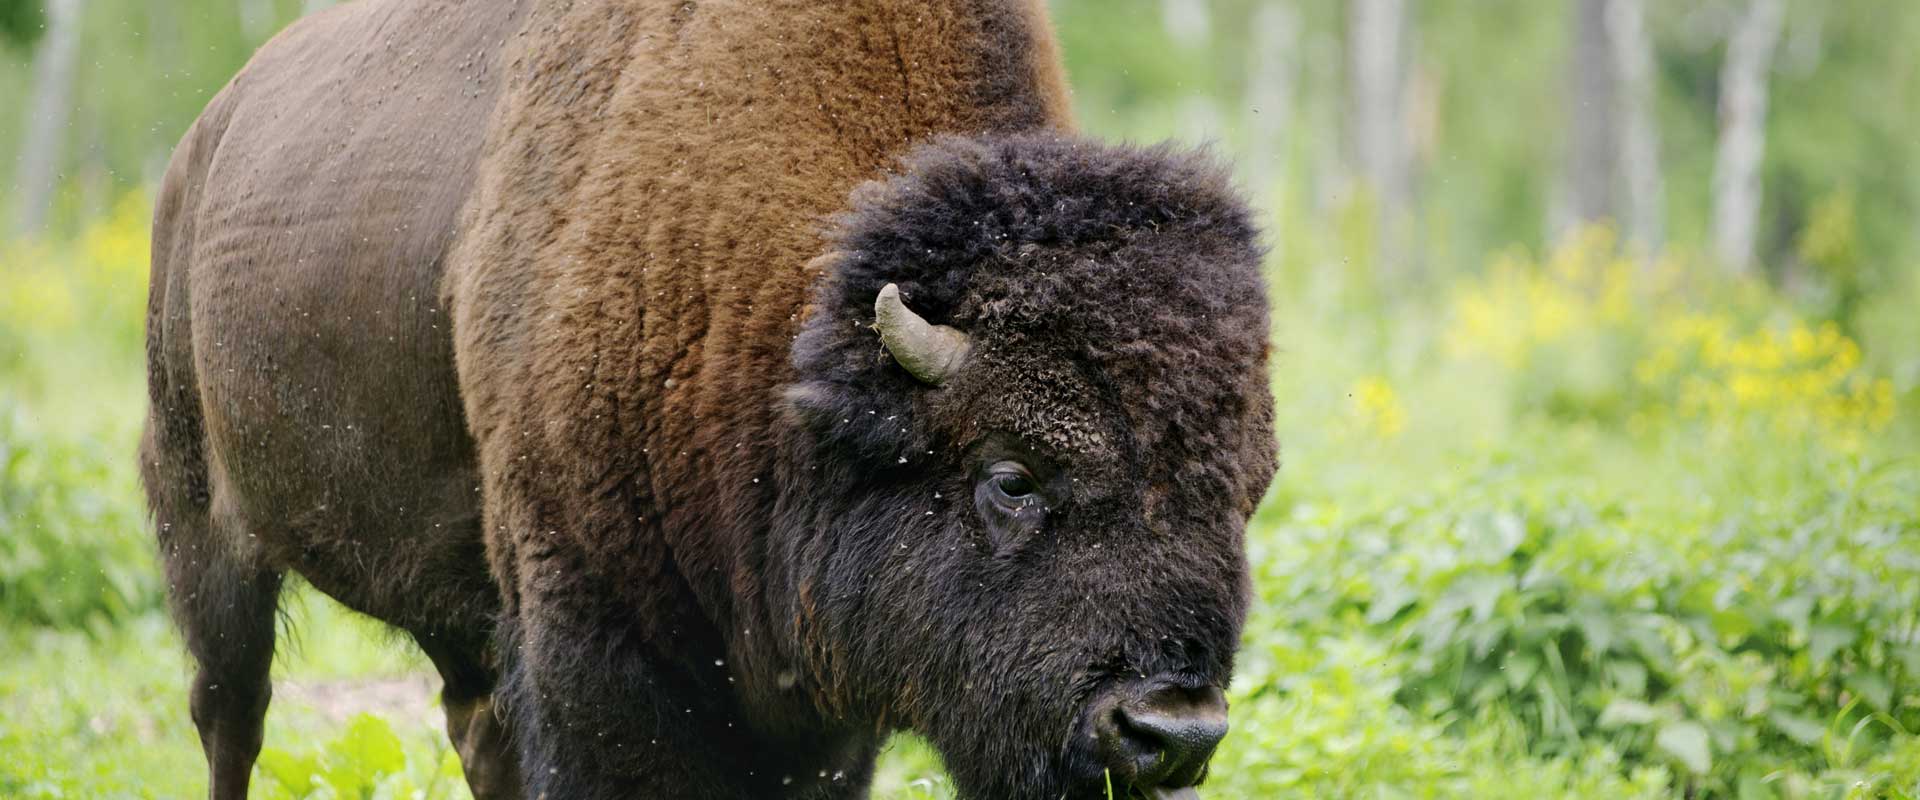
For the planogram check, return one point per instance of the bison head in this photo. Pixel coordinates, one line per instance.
(1036, 419)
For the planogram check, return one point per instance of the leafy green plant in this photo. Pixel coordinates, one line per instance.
(368, 761)
(75, 542)
(74, 550)
(1727, 647)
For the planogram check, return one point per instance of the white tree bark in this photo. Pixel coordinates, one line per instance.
(1586, 192)
(1271, 67)
(162, 45)
(1743, 118)
(1374, 31)
(1187, 21)
(1643, 202)
(43, 149)
(1190, 25)
(1376, 48)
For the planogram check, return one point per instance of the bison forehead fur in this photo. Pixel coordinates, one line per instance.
(1130, 274)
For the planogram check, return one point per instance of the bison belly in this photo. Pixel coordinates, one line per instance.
(300, 239)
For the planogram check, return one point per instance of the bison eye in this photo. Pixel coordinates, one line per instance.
(1011, 481)
(1011, 501)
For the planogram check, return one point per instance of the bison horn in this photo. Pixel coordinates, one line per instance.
(930, 352)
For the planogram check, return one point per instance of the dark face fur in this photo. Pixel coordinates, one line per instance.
(997, 561)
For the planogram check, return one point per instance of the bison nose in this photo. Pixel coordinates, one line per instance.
(1162, 737)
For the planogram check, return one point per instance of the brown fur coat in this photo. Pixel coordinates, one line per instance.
(639, 252)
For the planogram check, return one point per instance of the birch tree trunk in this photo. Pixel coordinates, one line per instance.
(1743, 118)
(1643, 201)
(1376, 46)
(1270, 75)
(44, 147)
(1189, 24)
(1586, 192)
(162, 52)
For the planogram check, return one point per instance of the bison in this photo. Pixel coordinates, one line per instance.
(712, 389)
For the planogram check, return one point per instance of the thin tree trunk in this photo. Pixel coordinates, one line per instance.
(1376, 33)
(1587, 187)
(1374, 44)
(1187, 22)
(1270, 76)
(1743, 135)
(1190, 25)
(163, 42)
(1643, 201)
(44, 147)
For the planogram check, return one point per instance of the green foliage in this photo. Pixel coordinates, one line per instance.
(103, 713)
(20, 22)
(366, 762)
(1724, 647)
(1487, 95)
(73, 545)
(75, 549)
(1626, 516)
(1316, 715)
(910, 770)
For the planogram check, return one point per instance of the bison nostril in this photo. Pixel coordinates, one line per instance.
(1164, 737)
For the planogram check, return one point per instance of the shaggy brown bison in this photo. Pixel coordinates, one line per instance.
(712, 389)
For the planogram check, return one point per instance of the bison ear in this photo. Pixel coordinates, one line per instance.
(851, 423)
(929, 352)
(813, 403)
(824, 264)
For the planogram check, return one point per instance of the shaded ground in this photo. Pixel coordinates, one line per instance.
(410, 698)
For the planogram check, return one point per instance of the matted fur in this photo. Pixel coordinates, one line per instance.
(731, 545)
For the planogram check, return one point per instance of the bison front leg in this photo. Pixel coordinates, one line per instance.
(478, 730)
(626, 698)
(601, 712)
(617, 676)
(481, 736)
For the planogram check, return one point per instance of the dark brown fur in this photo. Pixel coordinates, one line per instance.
(732, 546)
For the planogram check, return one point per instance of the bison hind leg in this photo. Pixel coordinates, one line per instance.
(225, 608)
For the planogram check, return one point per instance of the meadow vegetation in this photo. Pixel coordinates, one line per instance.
(1571, 525)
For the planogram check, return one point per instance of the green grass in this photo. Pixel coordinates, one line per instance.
(105, 714)
(1536, 535)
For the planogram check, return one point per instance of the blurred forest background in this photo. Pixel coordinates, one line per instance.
(1598, 364)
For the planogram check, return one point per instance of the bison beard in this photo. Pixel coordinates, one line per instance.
(569, 369)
